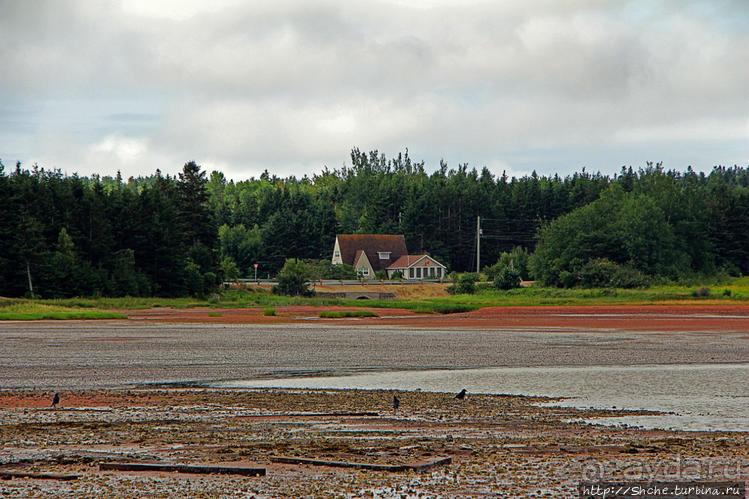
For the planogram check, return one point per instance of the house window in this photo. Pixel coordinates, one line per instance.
(364, 271)
(418, 272)
(336, 254)
(411, 273)
(384, 255)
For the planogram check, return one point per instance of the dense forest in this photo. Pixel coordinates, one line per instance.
(175, 236)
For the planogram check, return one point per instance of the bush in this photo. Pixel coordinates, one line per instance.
(567, 279)
(397, 276)
(323, 269)
(517, 259)
(292, 280)
(193, 279)
(443, 308)
(330, 314)
(269, 311)
(701, 292)
(508, 278)
(603, 273)
(627, 277)
(466, 284)
(229, 269)
(210, 281)
(381, 275)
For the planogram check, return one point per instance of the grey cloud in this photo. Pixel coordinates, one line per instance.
(299, 83)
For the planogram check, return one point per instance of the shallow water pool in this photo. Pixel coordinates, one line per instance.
(698, 397)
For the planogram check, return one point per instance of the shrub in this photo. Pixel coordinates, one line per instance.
(269, 311)
(397, 276)
(466, 284)
(508, 278)
(603, 273)
(193, 279)
(324, 269)
(701, 292)
(443, 308)
(229, 269)
(567, 279)
(517, 259)
(627, 277)
(329, 314)
(210, 281)
(292, 280)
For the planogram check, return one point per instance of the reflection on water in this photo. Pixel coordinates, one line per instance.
(701, 397)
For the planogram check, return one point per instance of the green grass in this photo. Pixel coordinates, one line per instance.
(329, 314)
(36, 311)
(124, 303)
(734, 290)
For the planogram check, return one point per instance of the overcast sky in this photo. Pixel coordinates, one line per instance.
(291, 86)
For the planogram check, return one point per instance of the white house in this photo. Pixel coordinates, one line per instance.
(368, 253)
(418, 267)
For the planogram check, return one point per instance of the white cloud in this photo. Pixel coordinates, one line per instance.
(499, 167)
(121, 149)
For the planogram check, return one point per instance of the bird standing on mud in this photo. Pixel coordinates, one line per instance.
(55, 400)
(396, 402)
(461, 395)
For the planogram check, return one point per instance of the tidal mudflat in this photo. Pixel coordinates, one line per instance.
(80, 354)
(139, 390)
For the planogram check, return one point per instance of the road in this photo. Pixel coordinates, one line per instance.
(97, 354)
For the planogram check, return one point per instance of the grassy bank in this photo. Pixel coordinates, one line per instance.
(734, 291)
(29, 311)
(329, 314)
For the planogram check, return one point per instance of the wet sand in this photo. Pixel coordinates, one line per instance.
(74, 355)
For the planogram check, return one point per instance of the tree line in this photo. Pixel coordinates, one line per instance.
(175, 236)
(71, 236)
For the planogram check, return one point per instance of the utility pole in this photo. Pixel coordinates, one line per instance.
(478, 244)
(28, 274)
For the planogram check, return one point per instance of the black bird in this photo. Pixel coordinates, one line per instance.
(55, 399)
(461, 395)
(396, 402)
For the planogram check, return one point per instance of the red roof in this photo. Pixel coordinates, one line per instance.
(407, 260)
(372, 245)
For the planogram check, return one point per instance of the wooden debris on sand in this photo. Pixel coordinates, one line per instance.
(417, 466)
(184, 468)
(10, 474)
